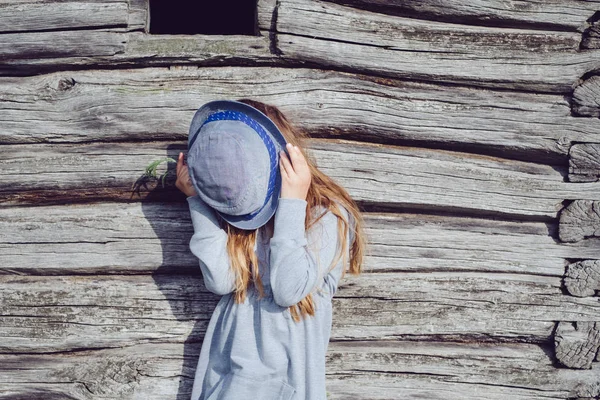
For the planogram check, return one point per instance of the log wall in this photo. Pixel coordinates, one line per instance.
(468, 132)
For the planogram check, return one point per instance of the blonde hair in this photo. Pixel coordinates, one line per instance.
(322, 191)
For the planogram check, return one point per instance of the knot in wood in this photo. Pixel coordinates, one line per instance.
(66, 84)
(564, 141)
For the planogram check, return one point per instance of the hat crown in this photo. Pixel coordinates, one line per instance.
(231, 167)
(233, 161)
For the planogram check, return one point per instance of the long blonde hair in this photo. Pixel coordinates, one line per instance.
(322, 191)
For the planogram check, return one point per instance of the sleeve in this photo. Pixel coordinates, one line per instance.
(332, 279)
(296, 267)
(209, 244)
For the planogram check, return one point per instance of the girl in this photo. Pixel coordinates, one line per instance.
(269, 333)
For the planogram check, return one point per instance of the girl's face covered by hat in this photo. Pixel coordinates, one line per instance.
(234, 162)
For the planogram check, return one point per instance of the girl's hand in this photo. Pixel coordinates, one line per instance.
(183, 181)
(295, 174)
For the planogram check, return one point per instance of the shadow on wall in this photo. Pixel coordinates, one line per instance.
(179, 277)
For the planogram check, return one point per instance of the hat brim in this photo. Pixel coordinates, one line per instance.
(268, 209)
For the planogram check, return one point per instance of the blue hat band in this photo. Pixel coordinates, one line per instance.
(238, 116)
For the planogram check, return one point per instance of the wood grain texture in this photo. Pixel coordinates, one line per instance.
(64, 15)
(22, 48)
(397, 176)
(407, 363)
(41, 314)
(584, 162)
(355, 370)
(100, 105)
(27, 53)
(561, 15)
(98, 238)
(327, 34)
(580, 220)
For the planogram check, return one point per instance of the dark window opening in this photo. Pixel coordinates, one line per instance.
(219, 17)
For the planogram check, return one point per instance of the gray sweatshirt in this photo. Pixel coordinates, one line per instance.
(255, 350)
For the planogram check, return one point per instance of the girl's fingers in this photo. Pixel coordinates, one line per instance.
(300, 164)
(178, 163)
(282, 165)
(287, 165)
(293, 154)
(296, 156)
(182, 170)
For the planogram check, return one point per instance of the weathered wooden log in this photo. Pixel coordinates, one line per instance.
(326, 34)
(373, 35)
(147, 371)
(408, 362)
(391, 176)
(365, 370)
(26, 53)
(121, 105)
(99, 238)
(53, 15)
(557, 15)
(506, 297)
(586, 98)
(44, 314)
(579, 220)
(584, 162)
(582, 278)
(40, 47)
(577, 343)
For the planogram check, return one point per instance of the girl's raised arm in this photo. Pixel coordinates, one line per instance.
(209, 244)
(295, 268)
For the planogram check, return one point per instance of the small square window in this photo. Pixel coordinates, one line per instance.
(218, 17)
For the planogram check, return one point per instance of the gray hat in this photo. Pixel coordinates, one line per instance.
(233, 162)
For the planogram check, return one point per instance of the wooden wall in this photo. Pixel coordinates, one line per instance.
(468, 131)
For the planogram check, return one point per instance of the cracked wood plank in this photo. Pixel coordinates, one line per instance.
(561, 15)
(41, 314)
(410, 177)
(365, 370)
(334, 36)
(100, 105)
(98, 238)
